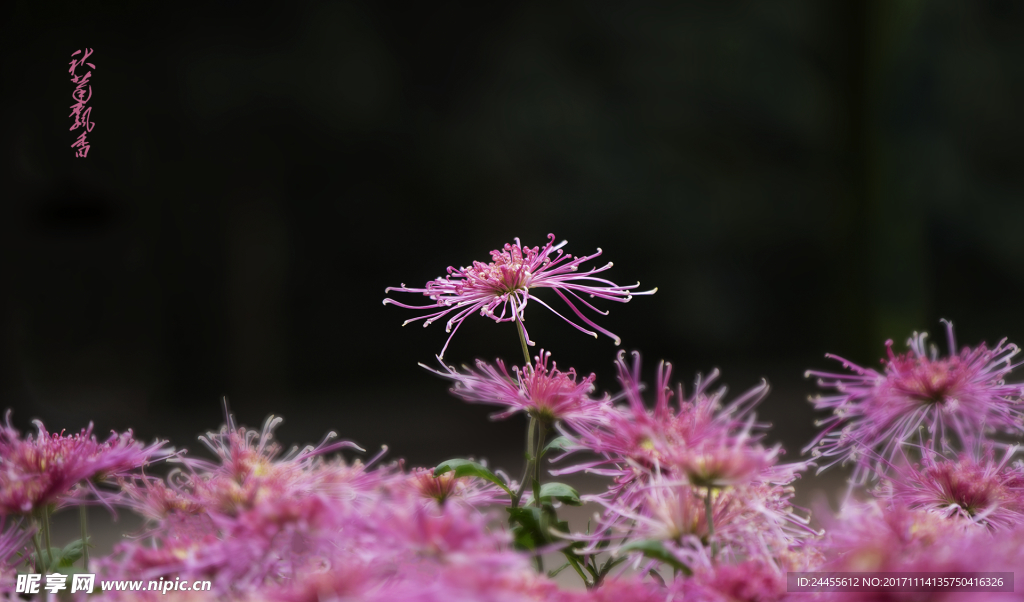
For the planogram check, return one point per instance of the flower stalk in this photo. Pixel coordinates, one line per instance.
(711, 524)
(85, 537)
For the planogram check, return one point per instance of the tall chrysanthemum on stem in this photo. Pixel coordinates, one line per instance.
(962, 396)
(502, 289)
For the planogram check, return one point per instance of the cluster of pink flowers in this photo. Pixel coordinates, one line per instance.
(697, 506)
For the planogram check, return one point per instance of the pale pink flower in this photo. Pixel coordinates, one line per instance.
(543, 392)
(502, 288)
(750, 521)
(963, 396)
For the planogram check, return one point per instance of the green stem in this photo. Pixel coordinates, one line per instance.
(85, 537)
(711, 524)
(528, 472)
(541, 435)
(46, 534)
(522, 336)
(579, 571)
(39, 553)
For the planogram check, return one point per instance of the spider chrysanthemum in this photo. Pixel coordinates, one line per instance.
(541, 390)
(502, 288)
(970, 486)
(959, 398)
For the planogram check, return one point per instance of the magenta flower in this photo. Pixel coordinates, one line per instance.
(874, 414)
(982, 491)
(46, 470)
(543, 392)
(501, 289)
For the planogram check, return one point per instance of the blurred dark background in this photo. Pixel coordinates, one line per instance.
(796, 177)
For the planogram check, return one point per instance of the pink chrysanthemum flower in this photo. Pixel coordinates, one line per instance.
(635, 440)
(252, 468)
(747, 521)
(722, 463)
(544, 392)
(502, 288)
(49, 468)
(982, 491)
(871, 537)
(963, 395)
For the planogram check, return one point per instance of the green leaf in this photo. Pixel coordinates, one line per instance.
(554, 573)
(469, 468)
(561, 443)
(561, 492)
(526, 527)
(655, 550)
(610, 564)
(71, 552)
(54, 556)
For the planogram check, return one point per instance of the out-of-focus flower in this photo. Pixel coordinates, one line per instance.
(873, 537)
(722, 463)
(543, 392)
(621, 589)
(870, 536)
(751, 580)
(750, 521)
(252, 467)
(46, 470)
(874, 414)
(982, 491)
(502, 288)
(14, 538)
(447, 487)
